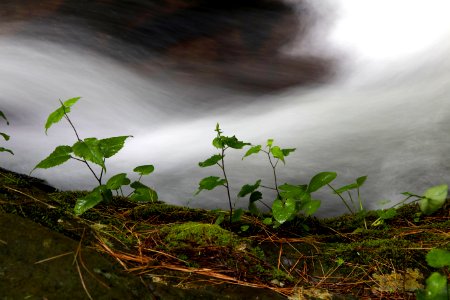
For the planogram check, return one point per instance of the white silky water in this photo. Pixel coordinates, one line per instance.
(386, 114)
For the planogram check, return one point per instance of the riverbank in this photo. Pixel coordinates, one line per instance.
(160, 251)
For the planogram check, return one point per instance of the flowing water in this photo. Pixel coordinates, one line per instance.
(384, 113)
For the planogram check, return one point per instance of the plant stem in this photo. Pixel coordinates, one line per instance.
(343, 200)
(274, 173)
(227, 186)
(92, 171)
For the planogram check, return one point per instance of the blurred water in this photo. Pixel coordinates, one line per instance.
(386, 114)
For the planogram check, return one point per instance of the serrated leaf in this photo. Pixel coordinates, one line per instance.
(283, 211)
(277, 153)
(255, 196)
(434, 199)
(310, 207)
(144, 194)
(87, 202)
(253, 150)
(211, 161)
(321, 179)
(287, 151)
(248, 189)
(5, 136)
(438, 258)
(218, 143)
(57, 115)
(117, 181)
(6, 150)
(237, 214)
(210, 183)
(2, 115)
(110, 146)
(60, 155)
(233, 142)
(89, 150)
(144, 170)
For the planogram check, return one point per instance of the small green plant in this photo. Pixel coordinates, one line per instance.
(4, 135)
(94, 151)
(431, 201)
(222, 143)
(352, 205)
(290, 199)
(436, 285)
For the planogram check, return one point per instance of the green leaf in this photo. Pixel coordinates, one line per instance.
(245, 227)
(211, 161)
(248, 189)
(6, 150)
(436, 288)
(360, 180)
(407, 194)
(144, 170)
(138, 185)
(267, 221)
(434, 199)
(277, 153)
(220, 218)
(387, 214)
(218, 129)
(2, 115)
(283, 211)
(89, 150)
(237, 214)
(105, 192)
(255, 196)
(345, 188)
(144, 194)
(117, 181)
(233, 142)
(210, 183)
(218, 143)
(57, 115)
(87, 202)
(310, 207)
(438, 258)
(60, 155)
(287, 151)
(253, 208)
(269, 143)
(5, 136)
(296, 192)
(321, 179)
(252, 150)
(110, 146)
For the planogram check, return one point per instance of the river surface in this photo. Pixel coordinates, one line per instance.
(363, 90)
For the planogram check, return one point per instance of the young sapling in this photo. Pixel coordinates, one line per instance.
(95, 151)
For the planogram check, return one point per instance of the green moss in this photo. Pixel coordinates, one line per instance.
(193, 234)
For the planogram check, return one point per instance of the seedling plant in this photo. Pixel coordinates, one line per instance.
(4, 135)
(437, 287)
(95, 151)
(290, 199)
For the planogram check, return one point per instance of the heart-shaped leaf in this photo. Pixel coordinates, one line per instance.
(144, 170)
(117, 181)
(433, 199)
(283, 211)
(321, 179)
(438, 258)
